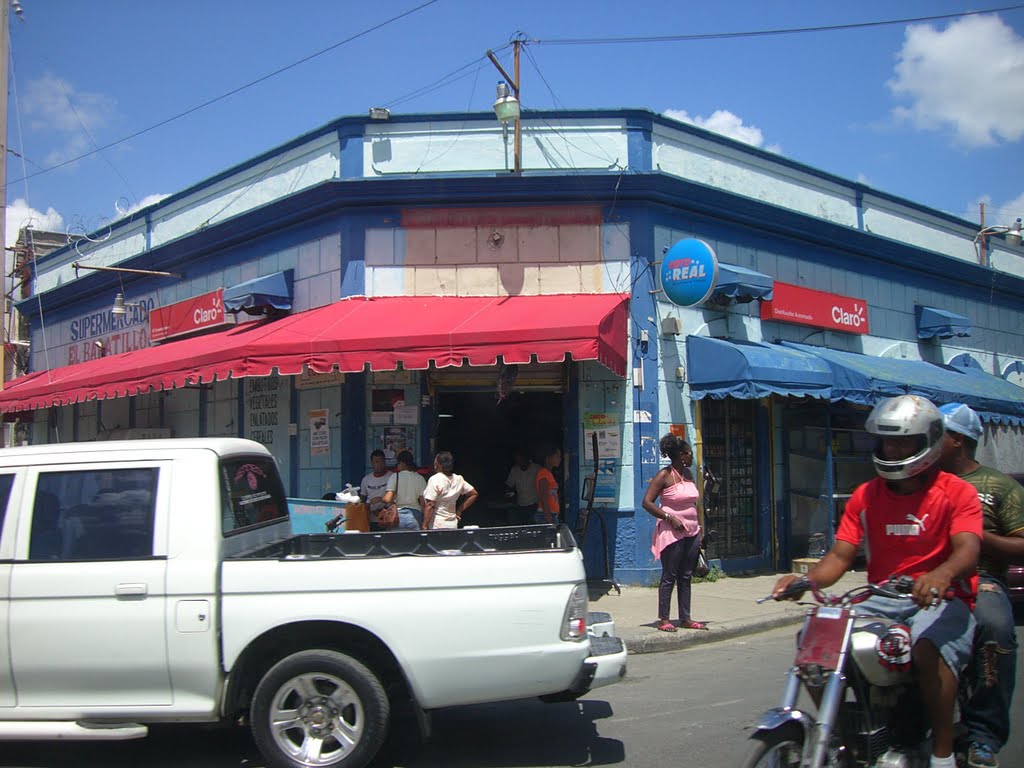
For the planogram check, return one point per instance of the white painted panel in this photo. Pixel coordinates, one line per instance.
(478, 146)
(113, 251)
(707, 162)
(916, 229)
(275, 178)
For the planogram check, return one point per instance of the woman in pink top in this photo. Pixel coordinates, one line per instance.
(677, 534)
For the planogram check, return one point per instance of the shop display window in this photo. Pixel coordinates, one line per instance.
(727, 431)
(829, 456)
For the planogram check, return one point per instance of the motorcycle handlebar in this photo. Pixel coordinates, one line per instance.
(898, 587)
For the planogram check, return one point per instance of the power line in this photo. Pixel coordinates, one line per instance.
(765, 32)
(233, 91)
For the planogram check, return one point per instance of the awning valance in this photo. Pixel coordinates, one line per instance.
(256, 296)
(748, 370)
(935, 323)
(741, 285)
(349, 335)
(866, 379)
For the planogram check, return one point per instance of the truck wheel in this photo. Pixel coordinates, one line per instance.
(319, 708)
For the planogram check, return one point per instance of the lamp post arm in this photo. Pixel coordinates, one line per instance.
(508, 78)
(152, 272)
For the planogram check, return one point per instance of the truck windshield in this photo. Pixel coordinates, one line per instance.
(253, 493)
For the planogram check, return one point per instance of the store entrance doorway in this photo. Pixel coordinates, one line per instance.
(483, 435)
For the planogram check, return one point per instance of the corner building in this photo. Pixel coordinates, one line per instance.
(389, 284)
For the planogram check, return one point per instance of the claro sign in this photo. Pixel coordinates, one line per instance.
(795, 304)
(196, 314)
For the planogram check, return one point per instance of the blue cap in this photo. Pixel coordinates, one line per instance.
(959, 418)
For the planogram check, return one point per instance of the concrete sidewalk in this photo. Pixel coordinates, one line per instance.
(727, 606)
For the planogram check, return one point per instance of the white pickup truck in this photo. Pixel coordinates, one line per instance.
(157, 581)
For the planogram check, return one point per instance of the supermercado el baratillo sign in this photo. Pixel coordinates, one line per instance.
(796, 304)
(689, 272)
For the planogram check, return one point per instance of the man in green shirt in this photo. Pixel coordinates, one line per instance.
(987, 713)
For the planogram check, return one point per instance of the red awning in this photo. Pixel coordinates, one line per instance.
(348, 336)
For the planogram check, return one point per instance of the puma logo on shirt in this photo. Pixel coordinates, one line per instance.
(915, 528)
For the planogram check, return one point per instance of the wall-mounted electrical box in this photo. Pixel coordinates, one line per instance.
(671, 325)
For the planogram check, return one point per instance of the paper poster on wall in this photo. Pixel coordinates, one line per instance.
(407, 414)
(609, 441)
(606, 489)
(392, 440)
(319, 433)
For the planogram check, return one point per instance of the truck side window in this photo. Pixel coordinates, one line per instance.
(93, 515)
(253, 493)
(6, 481)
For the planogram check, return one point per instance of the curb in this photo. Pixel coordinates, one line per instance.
(665, 641)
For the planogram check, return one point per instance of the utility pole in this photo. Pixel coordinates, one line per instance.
(513, 81)
(5, 15)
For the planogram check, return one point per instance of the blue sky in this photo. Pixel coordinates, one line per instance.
(932, 111)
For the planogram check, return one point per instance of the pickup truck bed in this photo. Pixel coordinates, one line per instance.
(464, 541)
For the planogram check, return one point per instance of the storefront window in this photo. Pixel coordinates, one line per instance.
(727, 428)
(829, 456)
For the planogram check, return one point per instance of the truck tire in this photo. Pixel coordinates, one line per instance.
(319, 708)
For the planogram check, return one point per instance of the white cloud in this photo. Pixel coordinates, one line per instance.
(20, 214)
(968, 78)
(145, 202)
(51, 104)
(726, 123)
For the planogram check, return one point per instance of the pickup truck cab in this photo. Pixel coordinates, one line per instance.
(157, 581)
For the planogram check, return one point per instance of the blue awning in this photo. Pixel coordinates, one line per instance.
(257, 296)
(748, 370)
(935, 323)
(742, 285)
(866, 379)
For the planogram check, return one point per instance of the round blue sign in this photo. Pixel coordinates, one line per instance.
(689, 272)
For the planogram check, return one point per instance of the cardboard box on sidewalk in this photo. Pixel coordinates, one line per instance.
(802, 565)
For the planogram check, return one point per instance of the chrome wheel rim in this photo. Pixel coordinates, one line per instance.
(317, 719)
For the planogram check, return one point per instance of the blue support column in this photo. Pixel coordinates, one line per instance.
(643, 357)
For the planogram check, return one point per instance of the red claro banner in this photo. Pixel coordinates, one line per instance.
(796, 304)
(196, 314)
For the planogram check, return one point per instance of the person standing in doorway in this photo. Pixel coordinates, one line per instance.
(447, 494)
(987, 712)
(373, 487)
(677, 534)
(548, 507)
(405, 489)
(522, 487)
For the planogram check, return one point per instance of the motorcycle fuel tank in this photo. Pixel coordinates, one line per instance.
(867, 631)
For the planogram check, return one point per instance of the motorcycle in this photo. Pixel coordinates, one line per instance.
(857, 668)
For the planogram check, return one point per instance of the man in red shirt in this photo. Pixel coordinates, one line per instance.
(915, 520)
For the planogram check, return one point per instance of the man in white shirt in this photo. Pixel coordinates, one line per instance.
(374, 486)
(522, 483)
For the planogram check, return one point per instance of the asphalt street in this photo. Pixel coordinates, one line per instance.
(685, 707)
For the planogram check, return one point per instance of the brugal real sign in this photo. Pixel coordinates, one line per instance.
(689, 272)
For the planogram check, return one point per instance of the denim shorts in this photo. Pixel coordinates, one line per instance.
(949, 626)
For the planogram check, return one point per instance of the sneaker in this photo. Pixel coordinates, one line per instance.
(981, 756)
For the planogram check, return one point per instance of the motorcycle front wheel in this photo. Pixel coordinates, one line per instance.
(781, 747)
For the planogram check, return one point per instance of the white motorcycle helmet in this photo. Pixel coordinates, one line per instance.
(906, 415)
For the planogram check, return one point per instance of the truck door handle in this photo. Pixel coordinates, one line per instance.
(131, 590)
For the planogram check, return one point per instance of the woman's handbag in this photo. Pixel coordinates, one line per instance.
(387, 517)
(701, 569)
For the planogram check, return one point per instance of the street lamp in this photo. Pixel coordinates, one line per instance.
(506, 106)
(506, 109)
(1012, 234)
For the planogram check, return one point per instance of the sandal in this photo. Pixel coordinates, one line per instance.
(666, 626)
(693, 625)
